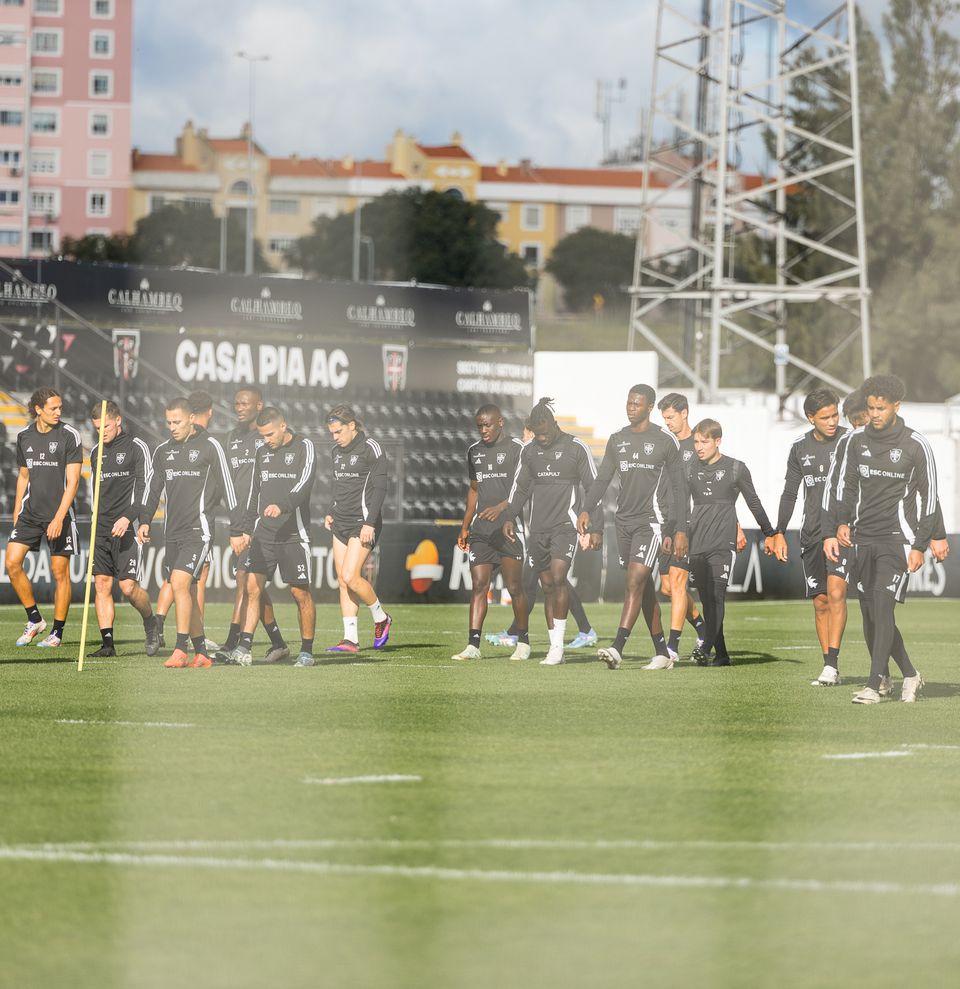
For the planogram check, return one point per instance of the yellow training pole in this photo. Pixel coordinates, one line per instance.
(93, 535)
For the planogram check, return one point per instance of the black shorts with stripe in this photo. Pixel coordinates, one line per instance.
(292, 559)
(489, 548)
(638, 542)
(558, 543)
(817, 568)
(118, 558)
(188, 554)
(345, 531)
(883, 567)
(32, 533)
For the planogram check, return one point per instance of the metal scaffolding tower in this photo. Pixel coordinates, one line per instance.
(768, 170)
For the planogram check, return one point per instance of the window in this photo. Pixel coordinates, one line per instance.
(47, 42)
(289, 207)
(324, 207)
(41, 240)
(98, 164)
(50, 8)
(157, 202)
(101, 84)
(531, 254)
(532, 218)
(101, 8)
(11, 3)
(10, 157)
(9, 238)
(240, 188)
(9, 197)
(44, 202)
(577, 217)
(11, 118)
(280, 245)
(100, 124)
(45, 122)
(44, 161)
(626, 220)
(101, 44)
(46, 82)
(11, 78)
(501, 209)
(198, 202)
(98, 203)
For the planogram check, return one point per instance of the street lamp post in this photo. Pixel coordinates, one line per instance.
(252, 60)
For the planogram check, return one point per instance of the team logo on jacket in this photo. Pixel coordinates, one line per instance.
(353, 460)
(53, 447)
(687, 454)
(501, 457)
(120, 458)
(288, 459)
(720, 474)
(895, 455)
(864, 470)
(193, 456)
(648, 448)
(557, 454)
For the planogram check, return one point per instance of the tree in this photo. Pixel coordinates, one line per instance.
(97, 247)
(429, 237)
(593, 262)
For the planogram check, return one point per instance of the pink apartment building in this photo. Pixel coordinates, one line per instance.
(65, 86)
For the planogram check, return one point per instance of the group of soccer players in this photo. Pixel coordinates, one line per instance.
(870, 511)
(265, 485)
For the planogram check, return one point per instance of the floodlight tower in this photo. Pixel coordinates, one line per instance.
(776, 261)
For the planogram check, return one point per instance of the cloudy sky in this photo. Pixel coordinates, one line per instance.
(516, 77)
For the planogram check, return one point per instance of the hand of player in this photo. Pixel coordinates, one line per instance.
(55, 527)
(328, 522)
(583, 540)
(583, 521)
(239, 543)
(508, 531)
(914, 560)
(741, 539)
(680, 544)
(666, 546)
(940, 549)
(367, 536)
(462, 540)
(831, 549)
(271, 512)
(494, 512)
(143, 533)
(776, 545)
(596, 540)
(843, 536)
(120, 527)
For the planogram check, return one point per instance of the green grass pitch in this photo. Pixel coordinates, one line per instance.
(562, 827)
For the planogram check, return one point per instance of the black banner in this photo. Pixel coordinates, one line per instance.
(131, 295)
(419, 562)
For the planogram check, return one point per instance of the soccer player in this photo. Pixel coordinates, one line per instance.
(887, 495)
(201, 412)
(553, 467)
(674, 569)
(825, 581)
(716, 481)
(359, 491)
(241, 448)
(642, 454)
(49, 456)
(116, 553)
(191, 468)
(277, 520)
(492, 464)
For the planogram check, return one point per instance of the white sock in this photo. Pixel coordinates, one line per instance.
(350, 629)
(376, 609)
(558, 632)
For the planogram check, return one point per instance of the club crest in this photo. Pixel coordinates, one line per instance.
(120, 458)
(721, 474)
(557, 454)
(648, 448)
(193, 456)
(54, 445)
(288, 459)
(501, 457)
(353, 461)
(687, 454)
(895, 454)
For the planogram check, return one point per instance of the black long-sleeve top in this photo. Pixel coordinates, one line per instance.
(359, 481)
(282, 477)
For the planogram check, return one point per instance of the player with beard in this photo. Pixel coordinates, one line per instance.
(126, 470)
(642, 455)
(277, 521)
(492, 464)
(48, 458)
(716, 481)
(887, 505)
(359, 491)
(191, 468)
(241, 448)
(825, 581)
(553, 467)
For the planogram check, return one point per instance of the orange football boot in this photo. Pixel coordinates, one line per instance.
(200, 662)
(178, 660)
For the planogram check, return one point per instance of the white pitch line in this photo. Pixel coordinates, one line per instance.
(892, 754)
(19, 854)
(923, 745)
(408, 666)
(510, 844)
(343, 780)
(125, 724)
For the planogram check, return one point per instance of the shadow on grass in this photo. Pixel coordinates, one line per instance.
(346, 659)
(746, 658)
(38, 660)
(940, 690)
